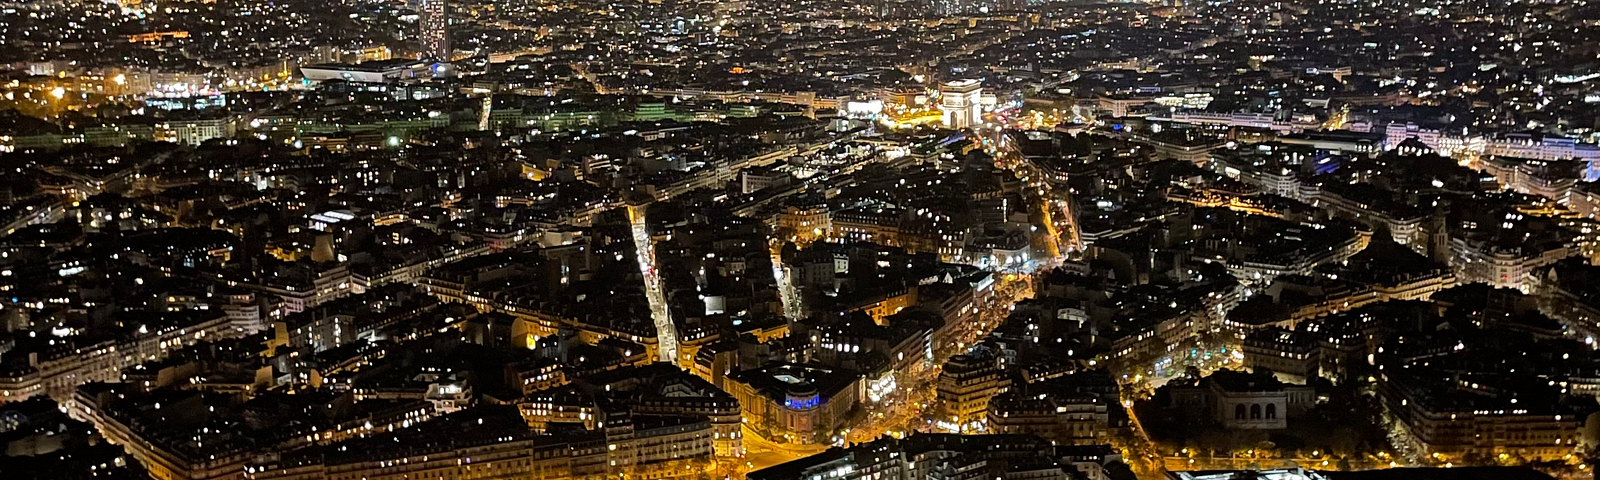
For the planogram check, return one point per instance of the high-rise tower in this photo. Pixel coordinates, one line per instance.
(435, 35)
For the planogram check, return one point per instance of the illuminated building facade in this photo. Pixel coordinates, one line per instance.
(961, 103)
(1489, 422)
(1245, 401)
(792, 403)
(1064, 419)
(965, 387)
(435, 34)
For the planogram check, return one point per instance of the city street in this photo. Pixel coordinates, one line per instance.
(644, 247)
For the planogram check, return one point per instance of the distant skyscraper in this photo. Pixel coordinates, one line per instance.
(960, 102)
(971, 7)
(435, 24)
